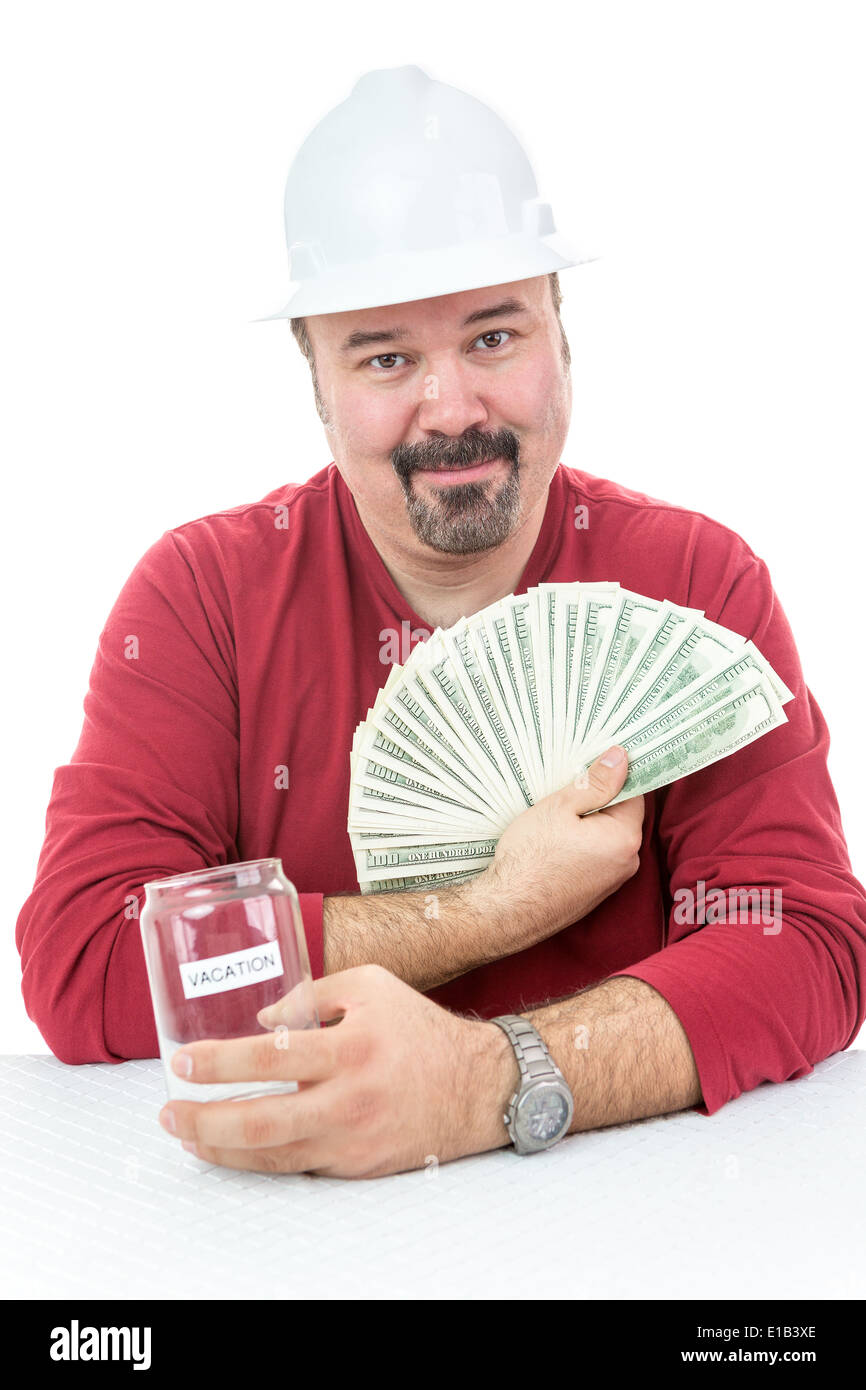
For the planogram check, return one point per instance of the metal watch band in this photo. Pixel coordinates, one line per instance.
(535, 1064)
(533, 1058)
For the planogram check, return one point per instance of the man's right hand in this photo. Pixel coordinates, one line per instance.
(550, 868)
(554, 864)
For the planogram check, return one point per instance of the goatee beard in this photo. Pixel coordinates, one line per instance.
(464, 518)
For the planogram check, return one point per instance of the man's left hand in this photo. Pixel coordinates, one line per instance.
(397, 1083)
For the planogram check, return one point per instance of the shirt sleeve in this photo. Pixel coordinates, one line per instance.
(764, 988)
(151, 790)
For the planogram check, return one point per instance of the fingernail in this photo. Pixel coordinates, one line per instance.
(166, 1119)
(190, 1147)
(613, 756)
(182, 1064)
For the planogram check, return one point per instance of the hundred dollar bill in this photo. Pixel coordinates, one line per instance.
(720, 732)
(595, 618)
(467, 653)
(377, 865)
(695, 650)
(410, 716)
(630, 621)
(416, 883)
(734, 676)
(371, 803)
(386, 752)
(450, 693)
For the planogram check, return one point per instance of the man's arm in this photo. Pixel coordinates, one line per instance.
(551, 868)
(620, 1047)
(151, 790)
(412, 934)
(400, 1080)
(764, 992)
(739, 995)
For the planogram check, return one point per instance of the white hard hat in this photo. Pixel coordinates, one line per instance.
(409, 189)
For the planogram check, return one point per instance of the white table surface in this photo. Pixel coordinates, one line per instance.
(765, 1199)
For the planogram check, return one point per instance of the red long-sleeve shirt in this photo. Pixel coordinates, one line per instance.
(250, 641)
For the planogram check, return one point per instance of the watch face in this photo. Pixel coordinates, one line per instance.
(543, 1113)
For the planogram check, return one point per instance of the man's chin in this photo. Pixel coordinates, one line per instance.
(465, 519)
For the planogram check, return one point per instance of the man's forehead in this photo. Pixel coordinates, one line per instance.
(356, 328)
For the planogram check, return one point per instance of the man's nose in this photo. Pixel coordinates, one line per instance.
(450, 403)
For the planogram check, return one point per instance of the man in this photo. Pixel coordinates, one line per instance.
(246, 646)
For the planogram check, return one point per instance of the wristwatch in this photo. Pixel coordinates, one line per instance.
(540, 1112)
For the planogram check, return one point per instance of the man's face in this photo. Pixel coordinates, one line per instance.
(446, 416)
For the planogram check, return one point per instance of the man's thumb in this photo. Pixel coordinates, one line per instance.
(595, 786)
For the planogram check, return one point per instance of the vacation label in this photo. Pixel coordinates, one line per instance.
(231, 971)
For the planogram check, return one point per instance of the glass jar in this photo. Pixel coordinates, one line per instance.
(220, 944)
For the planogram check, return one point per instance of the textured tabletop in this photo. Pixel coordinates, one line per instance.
(762, 1200)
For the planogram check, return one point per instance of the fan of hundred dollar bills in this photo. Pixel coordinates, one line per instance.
(492, 714)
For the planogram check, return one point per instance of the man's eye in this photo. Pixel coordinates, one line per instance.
(388, 360)
(501, 333)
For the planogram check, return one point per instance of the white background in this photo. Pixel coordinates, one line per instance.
(711, 154)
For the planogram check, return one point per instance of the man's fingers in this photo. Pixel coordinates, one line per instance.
(333, 994)
(307, 1156)
(259, 1123)
(627, 812)
(337, 994)
(286, 1054)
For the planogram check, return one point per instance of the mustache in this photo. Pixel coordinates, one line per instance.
(474, 446)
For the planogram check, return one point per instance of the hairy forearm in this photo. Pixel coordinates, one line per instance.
(524, 895)
(622, 1050)
(425, 939)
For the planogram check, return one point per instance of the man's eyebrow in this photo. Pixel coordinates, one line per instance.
(363, 337)
(495, 311)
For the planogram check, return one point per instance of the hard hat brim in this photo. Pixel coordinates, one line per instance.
(406, 276)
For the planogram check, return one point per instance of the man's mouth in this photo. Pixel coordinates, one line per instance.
(463, 472)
